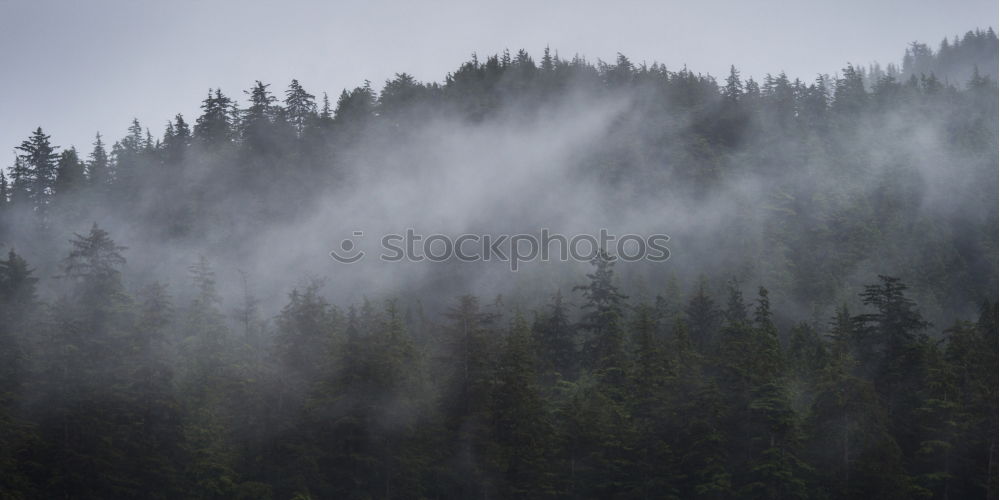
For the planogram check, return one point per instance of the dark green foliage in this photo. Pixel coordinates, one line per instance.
(604, 349)
(520, 427)
(96, 404)
(556, 339)
(111, 387)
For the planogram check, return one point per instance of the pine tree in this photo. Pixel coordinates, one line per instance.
(850, 443)
(39, 160)
(155, 449)
(519, 425)
(99, 166)
(82, 380)
(889, 338)
(467, 364)
(400, 375)
(18, 321)
(177, 140)
(69, 173)
(207, 334)
(548, 63)
(20, 187)
(355, 108)
(733, 91)
(300, 107)
(326, 112)
(305, 334)
(205, 378)
(736, 311)
(776, 471)
(806, 352)
(18, 300)
(815, 103)
(695, 421)
(849, 95)
(556, 339)
(604, 349)
(256, 124)
(703, 318)
(95, 263)
(965, 396)
(215, 124)
(128, 163)
(768, 363)
(652, 378)
(398, 95)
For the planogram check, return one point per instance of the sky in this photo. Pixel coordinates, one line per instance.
(79, 67)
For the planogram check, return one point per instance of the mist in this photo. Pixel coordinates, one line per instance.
(856, 210)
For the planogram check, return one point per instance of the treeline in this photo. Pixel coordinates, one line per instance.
(956, 60)
(113, 385)
(113, 393)
(295, 141)
(836, 159)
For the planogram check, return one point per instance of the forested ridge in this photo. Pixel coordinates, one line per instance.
(826, 327)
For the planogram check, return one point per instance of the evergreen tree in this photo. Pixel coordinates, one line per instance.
(519, 425)
(300, 107)
(18, 320)
(305, 335)
(20, 187)
(99, 166)
(849, 95)
(604, 348)
(733, 90)
(176, 140)
(556, 339)
(69, 173)
(768, 363)
(215, 124)
(4, 191)
(39, 160)
(85, 412)
(468, 374)
(206, 333)
(258, 120)
(652, 378)
(103, 395)
(703, 318)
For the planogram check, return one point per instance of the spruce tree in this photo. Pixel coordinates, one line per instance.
(300, 107)
(556, 339)
(520, 428)
(99, 166)
(214, 126)
(70, 173)
(604, 350)
(39, 161)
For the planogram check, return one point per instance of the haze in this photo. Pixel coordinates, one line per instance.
(75, 68)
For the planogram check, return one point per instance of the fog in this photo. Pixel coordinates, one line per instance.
(815, 190)
(528, 166)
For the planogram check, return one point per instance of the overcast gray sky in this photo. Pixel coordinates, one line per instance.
(77, 67)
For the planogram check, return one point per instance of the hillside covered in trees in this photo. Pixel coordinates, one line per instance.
(171, 325)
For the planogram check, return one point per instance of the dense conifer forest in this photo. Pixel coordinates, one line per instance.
(172, 327)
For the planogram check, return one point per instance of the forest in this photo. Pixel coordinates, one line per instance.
(172, 326)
